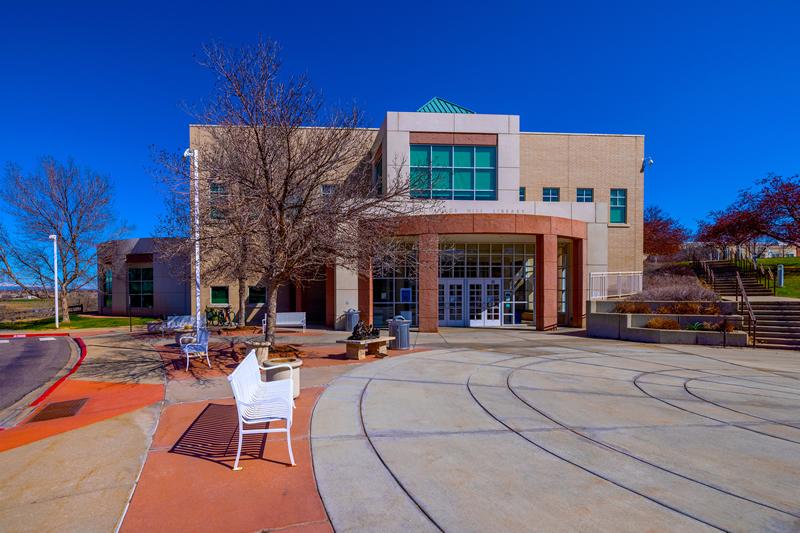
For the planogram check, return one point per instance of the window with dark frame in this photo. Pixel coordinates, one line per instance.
(551, 194)
(219, 295)
(584, 195)
(522, 194)
(140, 287)
(256, 295)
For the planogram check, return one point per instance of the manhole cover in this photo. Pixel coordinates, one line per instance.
(59, 410)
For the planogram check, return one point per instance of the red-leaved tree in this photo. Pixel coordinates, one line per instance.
(663, 235)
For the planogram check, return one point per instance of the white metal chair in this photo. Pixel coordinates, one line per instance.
(259, 402)
(197, 348)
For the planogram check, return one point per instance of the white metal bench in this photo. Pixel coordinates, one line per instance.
(259, 402)
(195, 346)
(284, 320)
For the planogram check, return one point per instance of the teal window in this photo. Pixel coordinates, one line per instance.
(219, 295)
(585, 195)
(256, 295)
(551, 194)
(107, 287)
(619, 206)
(454, 172)
(522, 194)
(140, 287)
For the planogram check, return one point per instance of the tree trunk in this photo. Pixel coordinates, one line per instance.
(272, 308)
(242, 308)
(63, 306)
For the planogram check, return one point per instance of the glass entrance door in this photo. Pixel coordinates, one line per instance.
(451, 303)
(484, 302)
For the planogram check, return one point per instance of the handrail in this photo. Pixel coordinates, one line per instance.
(745, 306)
(771, 277)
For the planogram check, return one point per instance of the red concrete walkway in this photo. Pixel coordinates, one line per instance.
(188, 485)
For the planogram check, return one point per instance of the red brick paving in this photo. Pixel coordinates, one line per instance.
(187, 483)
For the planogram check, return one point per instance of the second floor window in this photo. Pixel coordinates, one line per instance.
(551, 194)
(585, 195)
(377, 176)
(328, 189)
(618, 206)
(454, 172)
(522, 194)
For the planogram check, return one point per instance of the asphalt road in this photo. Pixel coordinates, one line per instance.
(29, 363)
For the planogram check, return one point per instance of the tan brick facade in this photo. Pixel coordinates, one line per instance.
(600, 162)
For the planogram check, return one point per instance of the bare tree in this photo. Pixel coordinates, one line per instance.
(300, 175)
(62, 200)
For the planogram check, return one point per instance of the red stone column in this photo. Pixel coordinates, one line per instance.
(298, 297)
(365, 295)
(578, 296)
(546, 282)
(428, 289)
(330, 297)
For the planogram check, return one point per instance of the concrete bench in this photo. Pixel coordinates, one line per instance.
(284, 320)
(359, 349)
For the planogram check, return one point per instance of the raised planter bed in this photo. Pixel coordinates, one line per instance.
(603, 322)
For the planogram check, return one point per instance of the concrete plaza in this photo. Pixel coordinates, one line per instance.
(513, 431)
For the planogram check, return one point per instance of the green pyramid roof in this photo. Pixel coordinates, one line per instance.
(440, 105)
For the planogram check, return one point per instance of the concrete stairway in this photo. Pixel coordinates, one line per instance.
(778, 323)
(725, 280)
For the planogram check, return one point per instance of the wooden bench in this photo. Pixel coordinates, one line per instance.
(359, 349)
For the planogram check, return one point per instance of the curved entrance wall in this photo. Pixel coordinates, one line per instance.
(545, 230)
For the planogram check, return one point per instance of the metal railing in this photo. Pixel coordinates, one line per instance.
(744, 306)
(614, 284)
(708, 274)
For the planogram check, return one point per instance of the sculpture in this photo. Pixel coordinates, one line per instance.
(364, 331)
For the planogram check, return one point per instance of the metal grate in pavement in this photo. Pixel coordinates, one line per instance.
(59, 410)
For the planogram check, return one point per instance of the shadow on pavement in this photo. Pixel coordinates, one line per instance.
(213, 436)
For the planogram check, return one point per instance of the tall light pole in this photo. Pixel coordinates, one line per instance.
(196, 182)
(54, 238)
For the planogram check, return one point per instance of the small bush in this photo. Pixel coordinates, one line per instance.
(632, 307)
(696, 326)
(686, 308)
(662, 323)
(664, 310)
(710, 309)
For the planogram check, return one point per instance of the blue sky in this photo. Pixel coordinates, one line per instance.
(714, 86)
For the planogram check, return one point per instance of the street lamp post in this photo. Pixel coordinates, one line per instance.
(196, 182)
(54, 238)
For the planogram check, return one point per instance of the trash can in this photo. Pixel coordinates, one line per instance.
(351, 317)
(400, 329)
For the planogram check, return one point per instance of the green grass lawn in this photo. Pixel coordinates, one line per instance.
(76, 322)
(791, 274)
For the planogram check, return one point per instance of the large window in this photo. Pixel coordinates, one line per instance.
(394, 289)
(619, 206)
(219, 295)
(585, 195)
(454, 172)
(551, 194)
(140, 287)
(107, 287)
(513, 263)
(256, 295)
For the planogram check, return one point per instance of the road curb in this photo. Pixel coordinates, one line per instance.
(81, 357)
